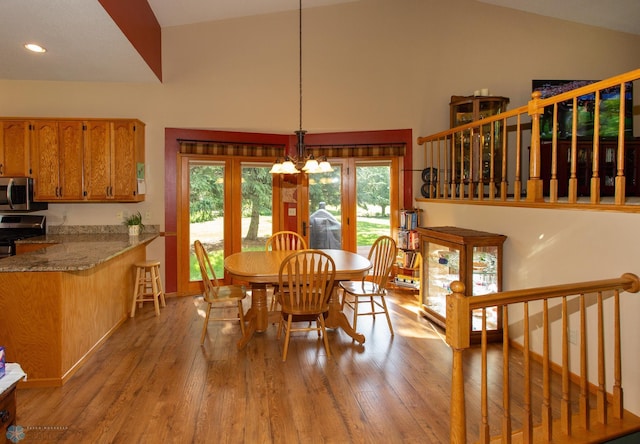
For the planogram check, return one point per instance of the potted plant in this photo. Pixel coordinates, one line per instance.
(134, 222)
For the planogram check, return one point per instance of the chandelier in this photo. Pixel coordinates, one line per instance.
(292, 165)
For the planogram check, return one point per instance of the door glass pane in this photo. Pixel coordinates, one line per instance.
(373, 198)
(325, 206)
(442, 265)
(257, 208)
(206, 215)
(485, 281)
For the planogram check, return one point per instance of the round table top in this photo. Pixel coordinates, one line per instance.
(263, 266)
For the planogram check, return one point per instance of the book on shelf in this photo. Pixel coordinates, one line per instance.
(409, 219)
(408, 240)
(408, 278)
(403, 239)
(409, 259)
(407, 282)
(414, 240)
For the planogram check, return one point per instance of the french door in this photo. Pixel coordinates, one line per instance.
(352, 206)
(376, 202)
(227, 204)
(233, 204)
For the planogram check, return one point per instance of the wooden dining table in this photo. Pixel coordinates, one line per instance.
(260, 269)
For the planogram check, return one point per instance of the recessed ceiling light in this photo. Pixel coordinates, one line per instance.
(35, 48)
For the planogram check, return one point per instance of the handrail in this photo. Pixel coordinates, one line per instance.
(458, 332)
(489, 119)
(486, 160)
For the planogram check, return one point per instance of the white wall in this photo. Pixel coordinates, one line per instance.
(549, 247)
(368, 65)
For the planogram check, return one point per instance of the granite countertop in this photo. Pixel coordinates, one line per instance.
(73, 252)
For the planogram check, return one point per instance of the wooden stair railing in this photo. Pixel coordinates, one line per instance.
(607, 420)
(517, 165)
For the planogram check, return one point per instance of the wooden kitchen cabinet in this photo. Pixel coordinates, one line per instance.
(14, 148)
(113, 151)
(57, 156)
(97, 160)
(78, 306)
(128, 153)
(75, 160)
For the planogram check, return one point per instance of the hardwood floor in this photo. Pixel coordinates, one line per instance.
(152, 382)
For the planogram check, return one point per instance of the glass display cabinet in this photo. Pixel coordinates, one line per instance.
(471, 257)
(474, 164)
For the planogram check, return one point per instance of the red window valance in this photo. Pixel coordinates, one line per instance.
(212, 148)
(215, 148)
(368, 150)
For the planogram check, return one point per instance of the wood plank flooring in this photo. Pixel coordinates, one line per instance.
(152, 382)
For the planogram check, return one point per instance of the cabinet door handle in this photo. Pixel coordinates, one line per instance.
(4, 416)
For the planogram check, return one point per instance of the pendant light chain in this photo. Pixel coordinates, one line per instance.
(288, 166)
(300, 64)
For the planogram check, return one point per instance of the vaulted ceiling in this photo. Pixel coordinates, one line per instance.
(96, 40)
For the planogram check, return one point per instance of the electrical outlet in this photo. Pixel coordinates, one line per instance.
(147, 215)
(119, 215)
(573, 336)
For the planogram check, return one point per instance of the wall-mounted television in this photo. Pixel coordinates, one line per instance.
(609, 110)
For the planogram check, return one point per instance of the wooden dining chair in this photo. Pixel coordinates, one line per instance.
(372, 288)
(288, 241)
(216, 296)
(305, 283)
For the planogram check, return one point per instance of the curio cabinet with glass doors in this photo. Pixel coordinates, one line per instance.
(473, 152)
(471, 257)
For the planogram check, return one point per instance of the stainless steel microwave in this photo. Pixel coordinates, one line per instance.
(16, 194)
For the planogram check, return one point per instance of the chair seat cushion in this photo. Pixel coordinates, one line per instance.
(361, 288)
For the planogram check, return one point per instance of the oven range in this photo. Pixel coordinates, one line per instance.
(15, 227)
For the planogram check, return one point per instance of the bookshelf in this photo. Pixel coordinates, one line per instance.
(407, 271)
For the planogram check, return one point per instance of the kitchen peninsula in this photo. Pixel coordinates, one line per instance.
(59, 303)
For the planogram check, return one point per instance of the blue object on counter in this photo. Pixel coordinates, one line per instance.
(2, 361)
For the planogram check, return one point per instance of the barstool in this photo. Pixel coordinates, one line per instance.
(148, 286)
